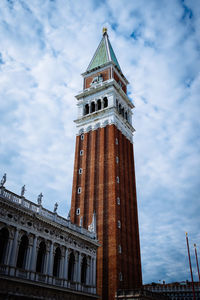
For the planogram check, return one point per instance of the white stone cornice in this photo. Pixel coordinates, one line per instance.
(103, 118)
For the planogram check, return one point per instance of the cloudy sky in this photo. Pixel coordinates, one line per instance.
(45, 46)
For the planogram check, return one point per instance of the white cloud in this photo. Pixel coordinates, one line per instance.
(45, 45)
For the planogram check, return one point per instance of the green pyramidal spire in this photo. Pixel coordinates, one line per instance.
(103, 54)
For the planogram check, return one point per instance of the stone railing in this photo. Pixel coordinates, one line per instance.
(53, 216)
(171, 288)
(45, 279)
(139, 293)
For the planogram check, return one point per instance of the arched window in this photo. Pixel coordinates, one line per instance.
(71, 267)
(99, 104)
(120, 276)
(126, 116)
(120, 109)
(86, 109)
(56, 264)
(105, 102)
(119, 224)
(92, 107)
(4, 236)
(117, 104)
(83, 270)
(41, 257)
(22, 253)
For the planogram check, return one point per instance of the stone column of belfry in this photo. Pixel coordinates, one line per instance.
(104, 173)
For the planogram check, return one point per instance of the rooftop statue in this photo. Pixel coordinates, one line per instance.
(3, 180)
(55, 207)
(39, 199)
(23, 191)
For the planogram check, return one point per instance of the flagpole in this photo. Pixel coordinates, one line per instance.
(190, 266)
(195, 250)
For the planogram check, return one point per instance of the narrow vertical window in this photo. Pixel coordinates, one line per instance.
(81, 153)
(82, 136)
(120, 276)
(117, 178)
(117, 159)
(120, 249)
(119, 224)
(79, 190)
(78, 211)
(80, 171)
(116, 141)
(118, 201)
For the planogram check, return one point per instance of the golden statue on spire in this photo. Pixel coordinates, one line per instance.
(104, 30)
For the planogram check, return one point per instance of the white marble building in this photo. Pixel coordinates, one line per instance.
(43, 251)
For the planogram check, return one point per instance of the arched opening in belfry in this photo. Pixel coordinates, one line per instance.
(120, 109)
(117, 104)
(22, 252)
(105, 102)
(126, 116)
(4, 236)
(123, 112)
(71, 265)
(98, 104)
(86, 112)
(56, 263)
(41, 257)
(83, 270)
(92, 107)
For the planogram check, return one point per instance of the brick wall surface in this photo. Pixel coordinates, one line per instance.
(106, 75)
(116, 77)
(99, 192)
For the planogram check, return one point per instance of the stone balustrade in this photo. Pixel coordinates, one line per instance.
(47, 279)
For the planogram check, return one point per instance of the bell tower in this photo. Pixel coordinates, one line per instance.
(104, 189)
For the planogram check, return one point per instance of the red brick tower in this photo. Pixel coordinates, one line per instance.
(104, 174)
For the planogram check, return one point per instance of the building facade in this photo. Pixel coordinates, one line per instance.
(104, 186)
(43, 255)
(139, 294)
(176, 290)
